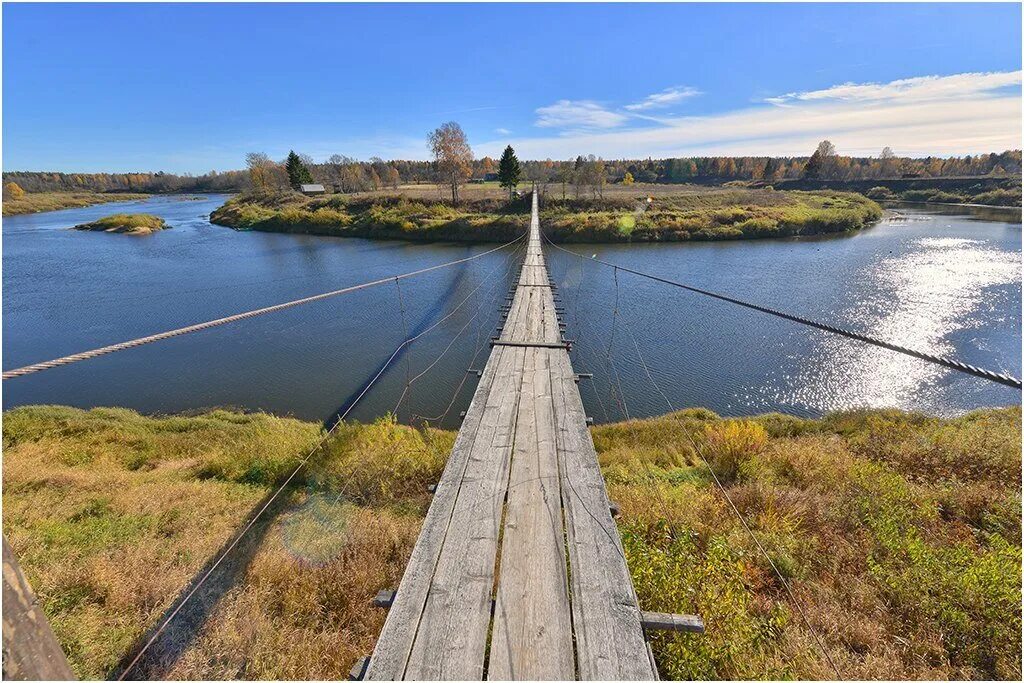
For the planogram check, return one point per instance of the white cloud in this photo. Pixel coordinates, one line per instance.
(665, 98)
(502, 131)
(578, 115)
(965, 114)
(922, 88)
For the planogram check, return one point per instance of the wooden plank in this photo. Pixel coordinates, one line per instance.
(31, 651)
(532, 633)
(606, 616)
(452, 636)
(391, 653)
(663, 621)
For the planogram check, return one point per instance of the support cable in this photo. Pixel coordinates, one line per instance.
(412, 380)
(478, 347)
(990, 375)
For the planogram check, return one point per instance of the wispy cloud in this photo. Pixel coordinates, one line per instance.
(502, 131)
(578, 115)
(665, 98)
(922, 88)
(965, 114)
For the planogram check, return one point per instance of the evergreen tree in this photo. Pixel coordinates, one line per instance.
(298, 174)
(771, 169)
(509, 170)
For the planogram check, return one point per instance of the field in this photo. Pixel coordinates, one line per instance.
(53, 201)
(900, 535)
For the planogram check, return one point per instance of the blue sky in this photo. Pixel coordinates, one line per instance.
(194, 87)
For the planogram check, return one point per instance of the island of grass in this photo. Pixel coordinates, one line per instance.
(900, 534)
(35, 202)
(126, 223)
(622, 217)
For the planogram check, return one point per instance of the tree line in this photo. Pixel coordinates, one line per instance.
(584, 174)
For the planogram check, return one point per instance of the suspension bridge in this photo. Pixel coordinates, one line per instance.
(518, 571)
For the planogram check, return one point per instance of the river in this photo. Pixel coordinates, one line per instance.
(944, 280)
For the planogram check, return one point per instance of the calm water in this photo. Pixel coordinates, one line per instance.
(944, 282)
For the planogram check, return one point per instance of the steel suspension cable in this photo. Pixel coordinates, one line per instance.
(85, 355)
(990, 375)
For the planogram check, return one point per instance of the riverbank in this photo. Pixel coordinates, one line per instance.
(899, 533)
(712, 215)
(38, 202)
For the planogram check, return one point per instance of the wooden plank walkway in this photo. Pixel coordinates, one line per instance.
(518, 572)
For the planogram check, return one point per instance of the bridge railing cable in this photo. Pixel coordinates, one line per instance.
(953, 364)
(478, 346)
(412, 379)
(85, 355)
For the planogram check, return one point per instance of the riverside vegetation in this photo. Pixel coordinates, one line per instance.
(35, 202)
(709, 215)
(899, 533)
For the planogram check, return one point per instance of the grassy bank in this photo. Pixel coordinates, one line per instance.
(996, 197)
(620, 217)
(899, 533)
(126, 223)
(54, 201)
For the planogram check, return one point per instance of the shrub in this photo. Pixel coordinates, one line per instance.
(880, 193)
(731, 443)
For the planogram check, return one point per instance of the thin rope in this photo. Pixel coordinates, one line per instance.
(736, 512)
(405, 335)
(439, 419)
(487, 278)
(611, 341)
(85, 355)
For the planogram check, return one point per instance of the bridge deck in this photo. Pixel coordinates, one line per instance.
(518, 572)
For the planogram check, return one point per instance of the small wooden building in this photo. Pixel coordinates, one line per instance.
(310, 190)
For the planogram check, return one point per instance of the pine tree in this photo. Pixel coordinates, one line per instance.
(509, 170)
(298, 174)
